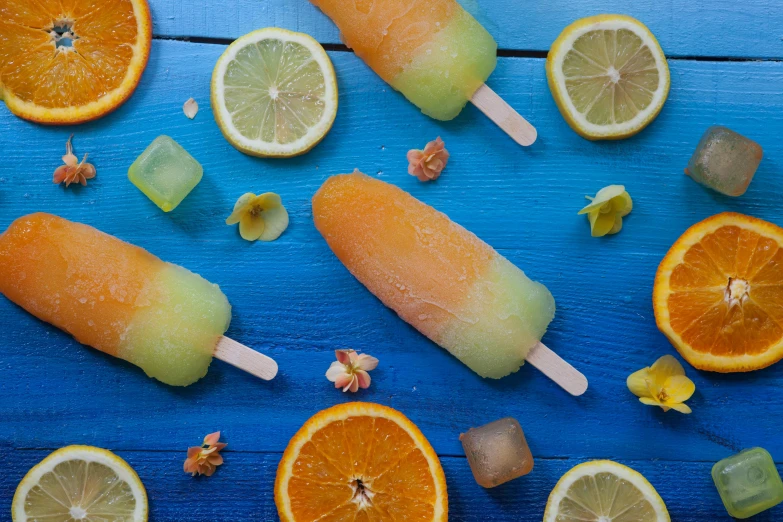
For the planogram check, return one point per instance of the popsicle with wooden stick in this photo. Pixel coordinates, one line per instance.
(443, 280)
(432, 51)
(120, 299)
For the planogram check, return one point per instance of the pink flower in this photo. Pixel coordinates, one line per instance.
(73, 171)
(427, 164)
(349, 372)
(204, 459)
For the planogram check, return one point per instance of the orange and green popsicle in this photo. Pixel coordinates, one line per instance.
(437, 276)
(114, 296)
(433, 51)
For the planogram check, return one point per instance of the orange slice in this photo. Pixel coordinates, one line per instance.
(718, 294)
(70, 61)
(361, 462)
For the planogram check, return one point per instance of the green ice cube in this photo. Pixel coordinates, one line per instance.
(748, 483)
(165, 173)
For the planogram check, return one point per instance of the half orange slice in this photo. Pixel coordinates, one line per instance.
(718, 294)
(361, 462)
(70, 61)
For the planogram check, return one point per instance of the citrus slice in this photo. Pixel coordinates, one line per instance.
(604, 491)
(360, 461)
(80, 483)
(274, 93)
(718, 294)
(608, 76)
(70, 61)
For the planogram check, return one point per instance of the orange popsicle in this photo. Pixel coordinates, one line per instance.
(114, 296)
(439, 277)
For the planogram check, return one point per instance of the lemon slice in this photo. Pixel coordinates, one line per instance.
(608, 76)
(80, 483)
(604, 491)
(274, 93)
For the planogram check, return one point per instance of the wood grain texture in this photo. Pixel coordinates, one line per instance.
(238, 491)
(724, 28)
(293, 300)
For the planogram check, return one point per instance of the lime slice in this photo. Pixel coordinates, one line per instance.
(604, 491)
(608, 76)
(80, 483)
(274, 93)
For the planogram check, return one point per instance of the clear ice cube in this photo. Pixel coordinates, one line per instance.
(748, 483)
(725, 161)
(165, 173)
(497, 452)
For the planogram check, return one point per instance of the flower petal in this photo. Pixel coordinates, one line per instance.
(335, 371)
(622, 204)
(637, 383)
(682, 408)
(251, 227)
(679, 389)
(241, 207)
(665, 367)
(600, 224)
(190, 108)
(618, 224)
(354, 386)
(363, 379)
(604, 195)
(344, 381)
(650, 401)
(367, 362)
(212, 438)
(343, 356)
(276, 220)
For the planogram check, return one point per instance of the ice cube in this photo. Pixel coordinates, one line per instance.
(165, 173)
(748, 483)
(725, 161)
(497, 452)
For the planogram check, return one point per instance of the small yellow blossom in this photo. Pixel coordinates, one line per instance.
(607, 209)
(663, 384)
(260, 217)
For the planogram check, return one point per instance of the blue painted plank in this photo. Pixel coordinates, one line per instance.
(242, 488)
(695, 28)
(293, 299)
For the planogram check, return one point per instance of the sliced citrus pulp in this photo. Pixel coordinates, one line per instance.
(360, 462)
(80, 483)
(718, 294)
(604, 491)
(70, 61)
(608, 76)
(274, 93)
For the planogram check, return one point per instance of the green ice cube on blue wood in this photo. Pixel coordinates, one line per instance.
(165, 173)
(748, 483)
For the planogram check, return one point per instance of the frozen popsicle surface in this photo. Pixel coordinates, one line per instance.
(113, 296)
(437, 276)
(432, 51)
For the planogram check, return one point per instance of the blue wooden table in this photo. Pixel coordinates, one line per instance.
(294, 300)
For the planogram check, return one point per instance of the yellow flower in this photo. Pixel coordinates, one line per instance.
(607, 209)
(664, 384)
(260, 217)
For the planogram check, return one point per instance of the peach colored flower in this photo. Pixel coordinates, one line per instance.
(349, 371)
(204, 459)
(73, 171)
(427, 164)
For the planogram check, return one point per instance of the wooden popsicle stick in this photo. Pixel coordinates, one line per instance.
(251, 361)
(504, 116)
(551, 365)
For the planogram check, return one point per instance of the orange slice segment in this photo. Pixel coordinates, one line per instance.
(718, 294)
(70, 61)
(360, 462)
